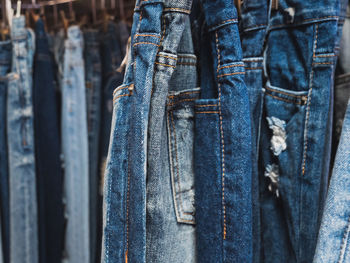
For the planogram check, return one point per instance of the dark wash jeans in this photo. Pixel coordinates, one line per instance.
(223, 142)
(299, 61)
(5, 66)
(49, 175)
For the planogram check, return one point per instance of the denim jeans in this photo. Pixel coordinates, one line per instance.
(20, 132)
(170, 223)
(223, 142)
(5, 67)
(75, 150)
(1, 246)
(299, 62)
(49, 173)
(124, 236)
(93, 106)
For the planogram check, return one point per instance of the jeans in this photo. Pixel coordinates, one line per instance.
(93, 106)
(223, 142)
(1, 246)
(299, 62)
(20, 132)
(124, 231)
(49, 173)
(170, 211)
(5, 67)
(75, 150)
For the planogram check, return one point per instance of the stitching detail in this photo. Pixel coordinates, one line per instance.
(163, 32)
(255, 26)
(146, 35)
(285, 93)
(185, 93)
(177, 9)
(150, 43)
(209, 105)
(230, 74)
(285, 100)
(207, 112)
(222, 139)
(230, 66)
(344, 242)
(125, 87)
(253, 68)
(177, 102)
(184, 56)
(306, 20)
(164, 56)
(166, 65)
(322, 63)
(325, 56)
(224, 22)
(124, 95)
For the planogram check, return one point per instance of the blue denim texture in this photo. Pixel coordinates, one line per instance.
(20, 131)
(5, 67)
(170, 223)
(93, 80)
(49, 174)
(112, 48)
(1, 246)
(75, 150)
(223, 143)
(299, 61)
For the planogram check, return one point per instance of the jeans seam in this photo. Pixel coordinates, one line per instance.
(285, 100)
(344, 242)
(222, 138)
(230, 74)
(207, 112)
(177, 102)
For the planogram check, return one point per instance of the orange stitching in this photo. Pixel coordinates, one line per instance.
(177, 102)
(146, 35)
(230, 74)
(120, 88)
(185, 93)
(253, 68)
(207, 112)
(163, 32)
(230, 66)
(222, 139)
(325, 56)
(285, 100)
(308, 107)
(164, 56)
(124, 95)
(166, 65)
(186, 220)
(177, 162)
(226, 21)
(139, 43)
(177, 9)
(208, 105)
(285, 93)
(322, 63)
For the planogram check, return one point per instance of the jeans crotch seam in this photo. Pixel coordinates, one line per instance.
(222, 137)
(344, 242)
(305, 138)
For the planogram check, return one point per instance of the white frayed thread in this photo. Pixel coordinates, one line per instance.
(291, 13)
(278, 140)
(272, 171)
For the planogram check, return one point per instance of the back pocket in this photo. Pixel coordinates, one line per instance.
(180, 123)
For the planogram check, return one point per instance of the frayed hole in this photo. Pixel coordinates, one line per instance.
(278, 140)
(272, 172)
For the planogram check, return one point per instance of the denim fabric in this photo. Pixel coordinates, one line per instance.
(1, 246)
(333, 239)
(253, 23)
(49, 173)
(5, 67)
(223, 143)
(93, 106)
(20, 131)
(75, 150)
(111, 57)
(170, 230)
(125, 198)
(299, 62)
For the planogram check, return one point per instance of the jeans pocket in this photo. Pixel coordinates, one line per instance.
(180, 126)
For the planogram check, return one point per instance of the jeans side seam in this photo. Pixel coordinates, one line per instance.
(222, 138)
(306, 141)
(344, 242)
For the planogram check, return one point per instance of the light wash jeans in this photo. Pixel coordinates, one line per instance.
(20, 131)
(75, 150)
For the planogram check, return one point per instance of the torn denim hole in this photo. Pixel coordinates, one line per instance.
(290, 11)
(272, 171)
(278, 140)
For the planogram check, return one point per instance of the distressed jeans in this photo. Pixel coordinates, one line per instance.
(20, 131)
